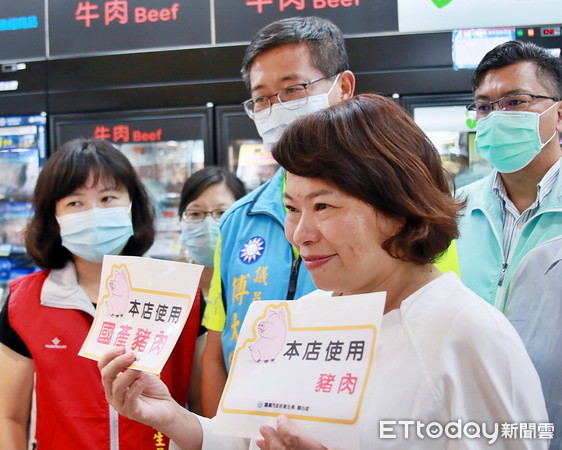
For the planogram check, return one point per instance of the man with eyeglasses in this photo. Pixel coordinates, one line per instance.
(511, 232)
(292, 67)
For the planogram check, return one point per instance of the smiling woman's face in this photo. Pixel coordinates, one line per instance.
(338, 236)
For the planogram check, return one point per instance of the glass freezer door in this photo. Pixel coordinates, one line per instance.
(240, 148)
(451, 129)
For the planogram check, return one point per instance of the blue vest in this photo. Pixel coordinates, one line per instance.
(257, 261)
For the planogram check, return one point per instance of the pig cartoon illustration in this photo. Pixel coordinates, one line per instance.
(272, 331)
(119, 297)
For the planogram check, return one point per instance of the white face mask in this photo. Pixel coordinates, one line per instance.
(270, 127)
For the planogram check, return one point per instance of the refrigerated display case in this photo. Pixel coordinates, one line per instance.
(23, 146)
(165, 146)
(452, 130)
(240, 149)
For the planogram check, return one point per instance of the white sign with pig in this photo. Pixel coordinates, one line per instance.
(309, 359)
(143, 305)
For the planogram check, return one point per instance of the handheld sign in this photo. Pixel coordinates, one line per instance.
(143, 305)
(309, 359)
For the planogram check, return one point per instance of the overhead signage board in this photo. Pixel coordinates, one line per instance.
(22, 30)
(436, 15)
(133, 127)
(87, 27)
(239, 20)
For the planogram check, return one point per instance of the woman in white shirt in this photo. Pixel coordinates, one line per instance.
(370, 209)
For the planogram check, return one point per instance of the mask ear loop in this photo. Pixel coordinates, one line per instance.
(549, 108)
(334, 84)
(549, 139)
(555, 132)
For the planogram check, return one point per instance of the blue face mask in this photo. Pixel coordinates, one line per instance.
(96, 232)
(200, 238)
(510, 140)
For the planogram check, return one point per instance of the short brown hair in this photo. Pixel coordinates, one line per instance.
(65, 171)
(371, 148)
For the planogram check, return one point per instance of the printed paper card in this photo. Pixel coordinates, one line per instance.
(143, 305)
(309, 359)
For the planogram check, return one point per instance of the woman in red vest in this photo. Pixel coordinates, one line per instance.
(88, 202)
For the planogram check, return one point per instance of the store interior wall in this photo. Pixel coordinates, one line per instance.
(404, 64)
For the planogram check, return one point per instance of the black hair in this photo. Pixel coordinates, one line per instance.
(66, 170)
(323, 38)
(548, 66)
(201, 180)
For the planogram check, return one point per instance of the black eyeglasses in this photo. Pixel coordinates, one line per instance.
(262, 105)
(515, 102)
(196, 215)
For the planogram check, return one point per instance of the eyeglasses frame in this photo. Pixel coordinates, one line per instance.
(305, 85)
(472, 106)
(207, 213)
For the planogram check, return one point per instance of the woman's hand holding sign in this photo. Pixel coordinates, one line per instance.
(287, 436)
(143, 397)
